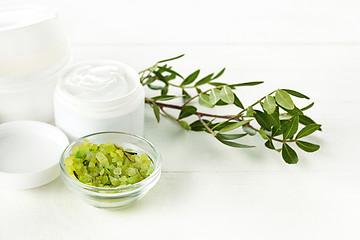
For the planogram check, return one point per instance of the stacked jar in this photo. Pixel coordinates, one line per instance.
(34, 51)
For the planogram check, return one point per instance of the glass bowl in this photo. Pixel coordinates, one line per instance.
(121, 196)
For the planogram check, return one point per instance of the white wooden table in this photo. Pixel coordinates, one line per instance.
(207, 190)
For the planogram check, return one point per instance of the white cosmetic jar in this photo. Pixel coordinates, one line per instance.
(33, 52)
(99, 95)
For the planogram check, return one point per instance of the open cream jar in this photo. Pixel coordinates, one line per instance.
(99, 95)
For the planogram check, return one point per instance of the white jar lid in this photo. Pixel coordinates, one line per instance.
(29, 153)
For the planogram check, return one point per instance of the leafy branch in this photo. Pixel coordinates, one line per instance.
(278, 119)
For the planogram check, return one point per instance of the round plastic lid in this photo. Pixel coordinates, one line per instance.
(29, 153)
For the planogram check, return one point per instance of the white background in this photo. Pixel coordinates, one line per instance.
(207, 190)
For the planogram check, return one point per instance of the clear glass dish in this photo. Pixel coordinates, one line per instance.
(121, 196)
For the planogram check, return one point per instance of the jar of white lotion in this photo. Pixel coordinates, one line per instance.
(99, 95)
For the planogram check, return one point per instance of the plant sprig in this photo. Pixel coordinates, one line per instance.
(280, 122)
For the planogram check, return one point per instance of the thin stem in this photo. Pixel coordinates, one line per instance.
(179, 86)
(167, 115)
(249, 125)
(150, 101)
(206, 126)
(125, 153)
(161, 105)
(201, 114)
(150, 69)
(174, 85)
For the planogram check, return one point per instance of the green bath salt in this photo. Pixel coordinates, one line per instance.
(107, 165)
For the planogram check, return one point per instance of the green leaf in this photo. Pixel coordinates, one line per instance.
(233, 144)
(284, 125)
(214, 96)
(227, 95)
(276, 131)
(221, 103)
(307, 130)
(155, 87)
(308, 106)
(237, 102)
(165, 97)
(233, 126)
(307, 147)
(269, 144)
(163, 69)
(285, 116)
(187, 111)
(170, 59)
(170, 77)
(161, 77)
(263, 119)
(165, 90)
(204, 80)
(284, 99)
(275, 118)
(220, 125)
(149, 80)
(230, 136)
(295, 93)
(288, 154)
(169, 70)
(246, 84)
(217, 84)
(186, 95)
(249, 130)
(205, 101)
(305, 120)
(263, 134)
(197, 126)
(191, 78)
(219, 74)
(269, 104)
(294, 111)
(291, 128)
(185, 125)
(156, 111)
(249, 111)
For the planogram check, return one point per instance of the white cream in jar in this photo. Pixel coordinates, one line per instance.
(99, 95)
